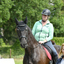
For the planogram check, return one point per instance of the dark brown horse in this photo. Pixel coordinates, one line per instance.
(34, 52)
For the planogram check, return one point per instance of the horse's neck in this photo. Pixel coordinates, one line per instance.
(31, 40)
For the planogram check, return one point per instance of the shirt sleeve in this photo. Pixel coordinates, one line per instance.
(34, 29)
(51, 32)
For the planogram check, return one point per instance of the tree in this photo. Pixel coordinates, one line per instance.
(57, 18)
(11, 9)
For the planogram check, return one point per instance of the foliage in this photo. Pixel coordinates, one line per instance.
(2, 42)
(58, 20)
(5, 6)
(58, 40)
(16, 50)
(58, 24)
(11, 9)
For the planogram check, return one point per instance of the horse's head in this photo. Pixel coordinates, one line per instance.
(22, 32)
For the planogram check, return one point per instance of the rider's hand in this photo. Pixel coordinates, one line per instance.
(45, 40)
(42, 42)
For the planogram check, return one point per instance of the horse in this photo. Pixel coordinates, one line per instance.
(34, 52)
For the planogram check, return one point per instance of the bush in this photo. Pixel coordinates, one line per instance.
(16, 49)
(58, 40)
(2, 42)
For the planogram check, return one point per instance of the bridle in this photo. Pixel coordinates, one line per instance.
(24, 36)
(21, 30)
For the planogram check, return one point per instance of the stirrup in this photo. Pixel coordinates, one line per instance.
(51, 62)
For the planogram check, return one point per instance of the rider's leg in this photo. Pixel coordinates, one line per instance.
(49, 43)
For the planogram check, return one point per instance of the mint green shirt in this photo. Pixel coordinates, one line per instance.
(41, 32)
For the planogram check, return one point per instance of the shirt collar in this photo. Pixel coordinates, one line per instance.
(47, 21)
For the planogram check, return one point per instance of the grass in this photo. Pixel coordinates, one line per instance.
(18, 61)
(16, 53)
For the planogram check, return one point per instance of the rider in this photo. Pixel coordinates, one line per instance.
(43, 31)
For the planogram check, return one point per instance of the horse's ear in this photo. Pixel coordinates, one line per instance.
(16, 21)
(26, 20)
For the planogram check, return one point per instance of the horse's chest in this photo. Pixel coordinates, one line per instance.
(34, 58)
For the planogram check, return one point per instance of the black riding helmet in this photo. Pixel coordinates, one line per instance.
(46, 12)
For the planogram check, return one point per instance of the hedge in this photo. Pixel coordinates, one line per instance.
(58, 40)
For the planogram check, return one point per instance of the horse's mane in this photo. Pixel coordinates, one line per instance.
(31, 37)
(29, 28)
(30, 32)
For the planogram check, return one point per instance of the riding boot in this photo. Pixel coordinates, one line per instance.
(55, 59)
(51, 62)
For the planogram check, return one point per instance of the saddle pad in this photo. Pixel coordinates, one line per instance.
(48, 54)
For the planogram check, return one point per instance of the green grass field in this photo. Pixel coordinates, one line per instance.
(18, 61)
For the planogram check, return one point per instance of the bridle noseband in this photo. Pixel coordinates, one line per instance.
(22, 37)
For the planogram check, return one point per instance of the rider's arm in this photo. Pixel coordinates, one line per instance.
(51, 31)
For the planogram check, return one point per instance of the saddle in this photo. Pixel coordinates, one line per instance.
(48, 51)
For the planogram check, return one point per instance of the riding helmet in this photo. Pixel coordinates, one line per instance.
(46, 12)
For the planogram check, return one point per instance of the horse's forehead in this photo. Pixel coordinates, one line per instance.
(21, 23)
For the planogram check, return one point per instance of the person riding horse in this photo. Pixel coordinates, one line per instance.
(43, 31)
